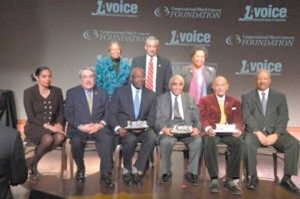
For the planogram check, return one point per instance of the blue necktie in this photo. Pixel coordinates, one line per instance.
(264, 102)
(136, 104)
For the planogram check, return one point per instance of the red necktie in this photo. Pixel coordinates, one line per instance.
(149, 81)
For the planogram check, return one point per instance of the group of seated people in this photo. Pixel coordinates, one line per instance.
(109, 100)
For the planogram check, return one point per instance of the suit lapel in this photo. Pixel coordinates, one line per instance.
(83, 99)
(96, 96)
(258, 102)
(130, 102)
(168, 103)
(270, 101)
(185, 104)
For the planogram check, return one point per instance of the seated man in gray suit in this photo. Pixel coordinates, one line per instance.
(129, 104)
(265, 114)
(86, 113)
(176, 108)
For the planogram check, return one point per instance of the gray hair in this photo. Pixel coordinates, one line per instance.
(114, 42)
(175, 77)
(152, 38)
(90, 68)
(263, 70)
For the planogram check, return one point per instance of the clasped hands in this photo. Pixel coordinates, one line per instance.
(91, 128)
(266, 140)
(56, 128)
(167, 131)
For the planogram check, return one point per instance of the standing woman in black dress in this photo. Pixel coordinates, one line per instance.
(44, 108)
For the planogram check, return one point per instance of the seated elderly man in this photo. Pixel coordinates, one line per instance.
(177, 108)
(216, 110)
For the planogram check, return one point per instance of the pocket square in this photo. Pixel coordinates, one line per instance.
(233, 108)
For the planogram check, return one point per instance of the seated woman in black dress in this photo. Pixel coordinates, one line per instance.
(44, 108)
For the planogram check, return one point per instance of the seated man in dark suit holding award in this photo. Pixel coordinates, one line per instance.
(86, 113)
(265, 113)
(132, 110)
(13, 170)
(222, 113)
(176, 113)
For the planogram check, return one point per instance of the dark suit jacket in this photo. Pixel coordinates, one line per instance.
(163, 73)
(122, 109)
(276, 117)
(77, 109)
(210, 112)
(13, 170)
(164, 111)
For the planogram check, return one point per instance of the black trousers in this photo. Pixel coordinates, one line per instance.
(129, 142)
(104, 147)
(236, 147)
(286, 144)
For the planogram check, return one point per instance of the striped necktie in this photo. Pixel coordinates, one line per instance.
(149, 80)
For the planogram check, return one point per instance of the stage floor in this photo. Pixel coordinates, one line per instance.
(49, 182)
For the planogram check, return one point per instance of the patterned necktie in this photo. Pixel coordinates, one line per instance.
(223, 115)
(90, 101)
(176, 110)
(264, 102)
(149, 81)
(136, 104)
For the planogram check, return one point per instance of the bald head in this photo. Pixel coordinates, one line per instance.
(220, 86)
(137, 77)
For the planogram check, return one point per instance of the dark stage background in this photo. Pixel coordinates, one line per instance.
(241, 36)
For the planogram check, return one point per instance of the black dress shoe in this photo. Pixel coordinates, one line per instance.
(231, 186)
(289, 185)
(106, 179)
(137, 180)
(127, 179)
(191, 178)
(165, 178)
(253, 182)
(80, 175)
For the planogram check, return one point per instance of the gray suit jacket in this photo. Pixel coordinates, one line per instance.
(186, 73)
(77, 110)
(276, 118)
(163, 75)
(164, 111)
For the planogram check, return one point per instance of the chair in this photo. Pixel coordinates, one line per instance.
(269, 151)
(223, 149)
(178, 147)
(90, 146)
(27, 143)
(153, 159)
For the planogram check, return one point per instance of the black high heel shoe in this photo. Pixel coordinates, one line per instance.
(33, 174)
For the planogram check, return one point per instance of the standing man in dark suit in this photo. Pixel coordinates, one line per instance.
(178, 108)
(265, 113)
(86, 113)
(13, 169)
(131, 103)
(219, 108)
(158, 69)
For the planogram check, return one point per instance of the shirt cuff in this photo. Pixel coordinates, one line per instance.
(78, 127)
(207, 129)
(116, 129)
(103, 122)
